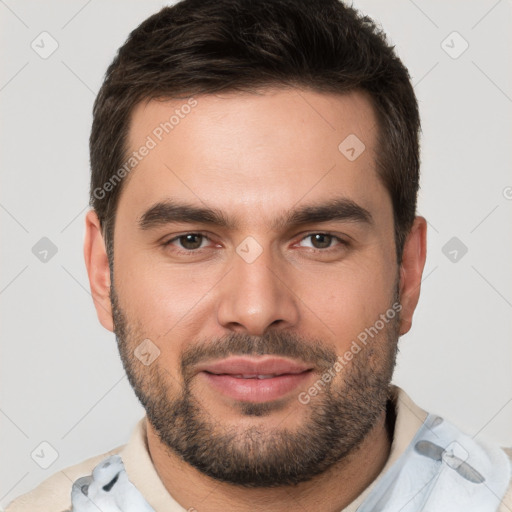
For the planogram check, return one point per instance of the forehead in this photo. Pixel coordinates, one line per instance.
(257, 152)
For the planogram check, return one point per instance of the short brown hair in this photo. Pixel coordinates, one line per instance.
(207, 46)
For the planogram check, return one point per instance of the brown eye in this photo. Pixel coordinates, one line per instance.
(191, 241)
(321, 240)
(189, 244)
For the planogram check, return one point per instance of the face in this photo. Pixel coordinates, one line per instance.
(249, 242)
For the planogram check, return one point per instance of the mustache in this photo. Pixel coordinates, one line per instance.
(313, 352)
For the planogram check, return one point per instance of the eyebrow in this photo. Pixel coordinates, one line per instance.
(171, 210)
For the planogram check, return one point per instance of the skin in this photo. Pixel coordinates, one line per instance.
(256, 157)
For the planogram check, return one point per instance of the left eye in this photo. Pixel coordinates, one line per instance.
(321, 240)
(190, 241)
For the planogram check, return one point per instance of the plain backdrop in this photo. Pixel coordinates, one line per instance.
(62, 382)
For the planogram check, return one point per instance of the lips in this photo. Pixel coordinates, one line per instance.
(255, 380)
(252, 376)
(249, 367)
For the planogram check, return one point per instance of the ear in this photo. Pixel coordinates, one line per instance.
(96, 261)
(411, 271)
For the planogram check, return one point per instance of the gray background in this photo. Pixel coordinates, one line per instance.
(61, 379)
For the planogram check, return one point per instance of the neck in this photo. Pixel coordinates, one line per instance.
(331, 491)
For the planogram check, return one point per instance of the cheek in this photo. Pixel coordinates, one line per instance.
(159, 296)
(348, 300)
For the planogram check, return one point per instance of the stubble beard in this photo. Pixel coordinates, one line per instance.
(335, 423)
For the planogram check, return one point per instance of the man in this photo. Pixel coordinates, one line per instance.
(254, 246)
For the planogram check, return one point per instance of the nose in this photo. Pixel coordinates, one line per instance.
(256, 295)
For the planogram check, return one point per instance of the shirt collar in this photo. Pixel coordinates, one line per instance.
(142, 473)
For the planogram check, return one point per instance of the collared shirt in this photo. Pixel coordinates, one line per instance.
(54, 494)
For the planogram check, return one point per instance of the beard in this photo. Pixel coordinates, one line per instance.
(336, 421)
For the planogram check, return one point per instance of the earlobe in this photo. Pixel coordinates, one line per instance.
(411, 271)
(98, 270)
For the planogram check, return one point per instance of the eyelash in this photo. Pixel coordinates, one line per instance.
(341, 241)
